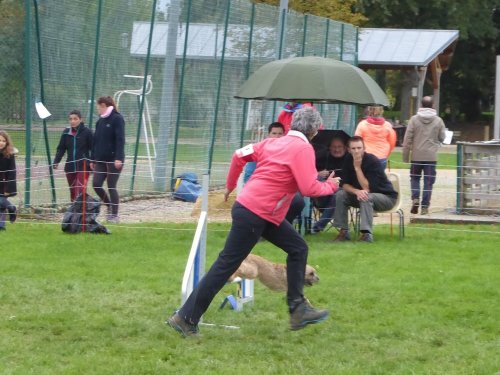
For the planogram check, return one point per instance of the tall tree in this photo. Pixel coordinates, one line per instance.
(11, 64)
(468, 84)
(339, 10)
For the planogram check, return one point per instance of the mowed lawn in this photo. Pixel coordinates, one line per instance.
(96, 304)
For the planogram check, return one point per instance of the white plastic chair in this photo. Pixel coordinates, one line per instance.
(397, 209)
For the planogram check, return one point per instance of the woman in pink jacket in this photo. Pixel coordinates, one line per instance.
(284, 166)
(378, 135)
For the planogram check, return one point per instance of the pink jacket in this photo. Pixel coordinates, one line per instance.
(378, 135)
(284, 166)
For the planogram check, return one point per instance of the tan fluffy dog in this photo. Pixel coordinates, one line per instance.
(272, 275)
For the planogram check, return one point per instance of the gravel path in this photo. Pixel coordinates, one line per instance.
(168, 210)
(164, 209)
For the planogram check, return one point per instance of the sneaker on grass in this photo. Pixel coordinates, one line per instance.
(366, 237)
(186, 329)
(305, 314)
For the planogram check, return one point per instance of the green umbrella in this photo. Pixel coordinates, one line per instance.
(312, 79)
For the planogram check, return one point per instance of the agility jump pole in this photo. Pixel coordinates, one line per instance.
(195, 266)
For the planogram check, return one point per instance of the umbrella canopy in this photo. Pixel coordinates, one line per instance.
(312, 79)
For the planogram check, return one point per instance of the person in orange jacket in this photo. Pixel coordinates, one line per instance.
(378, 135)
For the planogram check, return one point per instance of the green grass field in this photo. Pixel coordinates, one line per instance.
(446, 160)
(96, 304)
(191, 151)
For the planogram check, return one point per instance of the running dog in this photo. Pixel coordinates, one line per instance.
(272, 275)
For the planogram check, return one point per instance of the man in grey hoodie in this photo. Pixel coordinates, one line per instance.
(423, 136)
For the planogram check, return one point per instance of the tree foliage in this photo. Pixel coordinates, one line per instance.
(467, 86)
(11, 50)
(335, 9)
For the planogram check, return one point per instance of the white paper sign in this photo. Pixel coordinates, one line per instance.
(448, 136)
(43, 113)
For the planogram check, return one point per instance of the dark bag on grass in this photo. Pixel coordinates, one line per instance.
(187, 188)
(72, 219)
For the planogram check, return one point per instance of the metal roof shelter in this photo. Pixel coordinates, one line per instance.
(389, 49)
(205, 41)
(401, 49)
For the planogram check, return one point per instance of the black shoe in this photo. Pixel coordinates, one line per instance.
(414, 206)
(2, 229)
(315, 230)
(178, 323)
(305, 314)
(12, 213)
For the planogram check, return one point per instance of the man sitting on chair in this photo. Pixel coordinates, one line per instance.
(328, 161)
(365, 186)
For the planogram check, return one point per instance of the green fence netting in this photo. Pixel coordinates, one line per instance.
(187, 57)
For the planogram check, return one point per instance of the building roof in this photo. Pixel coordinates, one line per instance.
(205, 41)
(399, 48)
(377, 48)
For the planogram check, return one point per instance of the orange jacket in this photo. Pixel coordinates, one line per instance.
(378, 135)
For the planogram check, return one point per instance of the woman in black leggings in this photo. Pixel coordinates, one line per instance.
(108, 154)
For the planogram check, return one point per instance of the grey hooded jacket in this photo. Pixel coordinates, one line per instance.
(423, 136)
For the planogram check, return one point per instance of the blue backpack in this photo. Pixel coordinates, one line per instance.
(187, 188)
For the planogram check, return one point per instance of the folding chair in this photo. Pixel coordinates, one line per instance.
(394, 178)
(317, 208)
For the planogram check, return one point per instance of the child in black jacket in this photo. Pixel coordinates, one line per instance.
(76, 142)
(8, 186)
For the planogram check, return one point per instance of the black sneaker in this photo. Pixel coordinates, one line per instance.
(180, 325)
(315, 230)
(12, 213)
(305, 314)
(414, 206)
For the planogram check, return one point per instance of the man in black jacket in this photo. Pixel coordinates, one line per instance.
(76, 142)
(365, 186)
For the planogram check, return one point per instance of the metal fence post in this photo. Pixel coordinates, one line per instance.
(281, 41)
(217, 100)
(167, 106)
(42, 98)
(181, 92)
(247, 72)
(27, 78)
(327, 35)
(143, 97)
(304, 36)
(96, 61)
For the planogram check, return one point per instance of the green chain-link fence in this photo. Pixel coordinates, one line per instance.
(195, 55)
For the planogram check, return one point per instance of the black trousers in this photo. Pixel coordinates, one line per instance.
(246, 230)
(106, 171)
